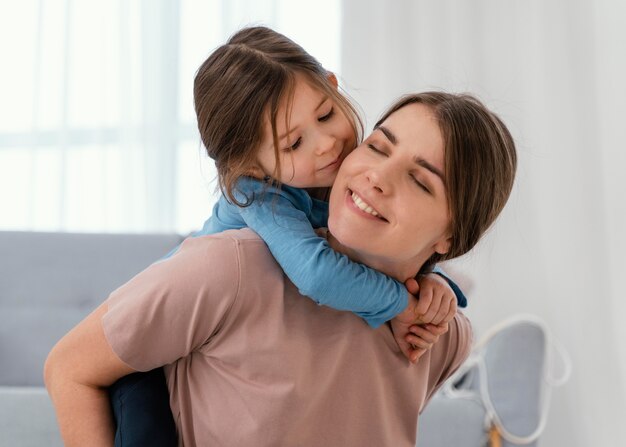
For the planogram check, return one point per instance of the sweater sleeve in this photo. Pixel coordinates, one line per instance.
(281, 219)
(228, 216)
(284, 218)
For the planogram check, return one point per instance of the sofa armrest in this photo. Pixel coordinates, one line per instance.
(27, 418)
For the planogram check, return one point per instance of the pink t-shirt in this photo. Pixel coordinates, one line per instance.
(251, 362)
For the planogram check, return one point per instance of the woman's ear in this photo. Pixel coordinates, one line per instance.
(332, 79)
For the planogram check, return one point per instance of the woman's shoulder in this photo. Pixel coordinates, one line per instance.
(464, 337)
(457, 344)
(227, 239)
(230, 245)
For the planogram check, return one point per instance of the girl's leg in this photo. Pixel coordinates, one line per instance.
(141, 410)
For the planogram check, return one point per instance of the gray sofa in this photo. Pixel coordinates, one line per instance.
(50, 281)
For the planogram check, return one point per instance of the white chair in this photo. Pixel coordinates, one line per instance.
(500, 395)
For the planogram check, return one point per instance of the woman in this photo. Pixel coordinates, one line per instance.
(248, 361)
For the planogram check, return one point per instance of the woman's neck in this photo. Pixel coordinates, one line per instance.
(393, 268)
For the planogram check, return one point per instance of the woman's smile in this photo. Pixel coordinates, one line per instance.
(361, 207)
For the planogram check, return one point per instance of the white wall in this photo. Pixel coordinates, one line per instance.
(554, 72)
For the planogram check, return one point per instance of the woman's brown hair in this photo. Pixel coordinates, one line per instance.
(241, 82)
(480, 163)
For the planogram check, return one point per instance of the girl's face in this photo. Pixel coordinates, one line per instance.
(313, 142)
(388, 206)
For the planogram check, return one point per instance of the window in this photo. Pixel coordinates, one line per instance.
(97, 127)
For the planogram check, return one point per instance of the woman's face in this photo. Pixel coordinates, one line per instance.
(388, 206)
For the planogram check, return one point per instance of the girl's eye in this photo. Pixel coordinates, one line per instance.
(294, 146)
(328, 116)
(419, 184)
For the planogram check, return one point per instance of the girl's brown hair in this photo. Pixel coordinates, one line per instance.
(241, 82)
(480, 163)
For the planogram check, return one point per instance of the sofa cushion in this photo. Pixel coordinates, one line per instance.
(51, 281)
(27, 418)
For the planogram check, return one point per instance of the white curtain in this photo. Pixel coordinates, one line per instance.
(554, 71)
(97, 127)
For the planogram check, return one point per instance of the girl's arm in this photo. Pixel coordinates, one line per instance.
(281, 218)
(284, 219)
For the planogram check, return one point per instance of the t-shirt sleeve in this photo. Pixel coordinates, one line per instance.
(175, 306)
(450, 352)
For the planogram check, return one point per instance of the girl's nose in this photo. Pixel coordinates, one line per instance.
(325, 144)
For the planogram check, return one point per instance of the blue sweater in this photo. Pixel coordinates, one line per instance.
(285, 219)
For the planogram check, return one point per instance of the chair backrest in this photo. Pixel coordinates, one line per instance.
(514, 360)
(50, 281)
(504, 376)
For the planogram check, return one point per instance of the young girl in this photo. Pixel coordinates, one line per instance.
(274, 122)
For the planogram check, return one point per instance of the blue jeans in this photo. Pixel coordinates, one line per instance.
(141, 410)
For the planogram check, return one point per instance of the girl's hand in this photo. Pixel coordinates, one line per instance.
(412, 333)
(401, 324)
(423, 337)
(437, 302)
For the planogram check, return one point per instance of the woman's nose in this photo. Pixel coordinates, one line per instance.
(379, 179)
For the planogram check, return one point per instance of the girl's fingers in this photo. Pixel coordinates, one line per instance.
(443, 309)
(412, 286)
(418, 342)
(423, 302)
(422, 332)
(416, 354)
(406, 350)
(421, 338)
(451, 312)
(404, 346)
(432, 309)
(439, 329)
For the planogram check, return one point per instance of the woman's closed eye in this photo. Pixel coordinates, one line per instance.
(419, 184)
(375, 149)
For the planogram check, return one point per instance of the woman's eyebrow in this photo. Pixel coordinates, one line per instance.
(389, 134)
(418, 160)
(426, 165)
